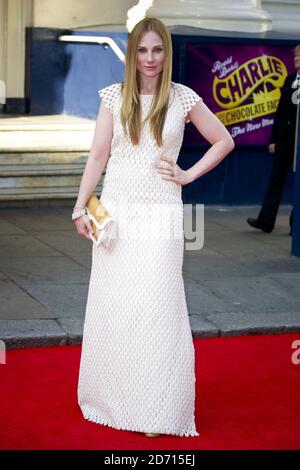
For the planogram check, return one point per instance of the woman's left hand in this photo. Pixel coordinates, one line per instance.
(171, 171)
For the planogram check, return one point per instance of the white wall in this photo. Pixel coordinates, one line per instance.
(15, 15)
(80, 13)
(285, 15)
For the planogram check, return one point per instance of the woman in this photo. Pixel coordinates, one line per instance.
(137, 361)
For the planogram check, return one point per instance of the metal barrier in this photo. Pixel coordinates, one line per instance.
(102, 40)
(2, 352)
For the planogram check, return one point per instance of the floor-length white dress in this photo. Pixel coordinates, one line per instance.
(137, 360)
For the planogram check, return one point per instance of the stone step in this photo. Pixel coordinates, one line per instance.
(40, 170)
(45, 122)
(44, 133)
(43, 157)
(46, 181)
(28, 141)
(40, 192)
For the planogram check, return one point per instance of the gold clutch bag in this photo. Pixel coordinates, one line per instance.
(103, 223)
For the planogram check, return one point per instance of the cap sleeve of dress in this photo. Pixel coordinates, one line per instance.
(109, 95)
(188, 98)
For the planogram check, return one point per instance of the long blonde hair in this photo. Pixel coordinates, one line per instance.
(131, 108)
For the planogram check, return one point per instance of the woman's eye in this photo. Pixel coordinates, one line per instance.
(155, 50)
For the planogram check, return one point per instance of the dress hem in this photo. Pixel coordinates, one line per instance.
(91, 415)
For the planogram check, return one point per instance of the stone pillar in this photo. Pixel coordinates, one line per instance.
(15, 15)
(229, 15)
(285, 15)
(3, 41)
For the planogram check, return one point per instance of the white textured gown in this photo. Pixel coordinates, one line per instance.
(137, 360)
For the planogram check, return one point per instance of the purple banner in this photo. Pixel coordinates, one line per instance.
(240, 84)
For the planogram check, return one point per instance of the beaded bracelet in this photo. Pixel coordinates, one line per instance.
(77, 214)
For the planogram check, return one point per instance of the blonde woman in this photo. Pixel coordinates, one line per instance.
(137, 361)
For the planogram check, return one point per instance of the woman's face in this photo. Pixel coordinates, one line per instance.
(150, 55)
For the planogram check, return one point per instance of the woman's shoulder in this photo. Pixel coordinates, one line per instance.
(112, 89)
(110, 95)
(182, 89)
(187, 96)
(178, 85)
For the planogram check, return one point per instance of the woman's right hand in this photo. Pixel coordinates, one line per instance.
(84, 227)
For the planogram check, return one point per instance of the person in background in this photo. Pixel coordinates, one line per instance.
(282, 146)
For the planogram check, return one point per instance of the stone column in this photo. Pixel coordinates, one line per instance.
(3, 48)
(285, 15)
(15, 15)
(229, 15)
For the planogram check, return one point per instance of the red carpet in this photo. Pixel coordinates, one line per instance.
(247, 398)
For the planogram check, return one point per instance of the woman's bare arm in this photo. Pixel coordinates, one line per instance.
(215, 133)
(98, 155)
